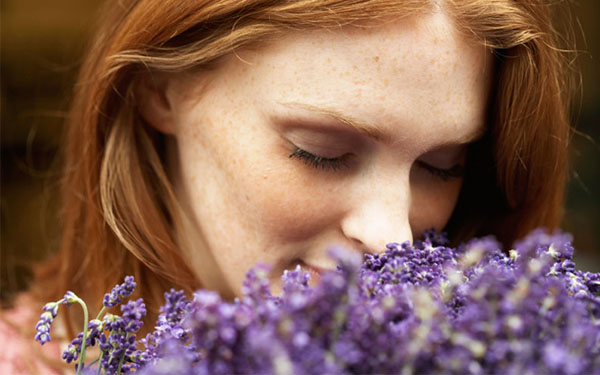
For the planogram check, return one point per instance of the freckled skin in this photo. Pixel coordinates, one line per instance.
(416, 79)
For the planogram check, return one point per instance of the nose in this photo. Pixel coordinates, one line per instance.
(378, 215)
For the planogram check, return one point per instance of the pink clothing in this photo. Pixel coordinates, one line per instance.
(19, 353)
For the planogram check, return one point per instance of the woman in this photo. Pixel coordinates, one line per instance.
(207, 136)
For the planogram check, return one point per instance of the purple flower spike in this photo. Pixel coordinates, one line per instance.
(52, 307)
(74, 349)
(72, 352)
(256, 285)
(119, 292)
(42, 327)
(133, 313)
(43, 333)
(295, 280)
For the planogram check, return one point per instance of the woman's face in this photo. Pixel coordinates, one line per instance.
(355, 137)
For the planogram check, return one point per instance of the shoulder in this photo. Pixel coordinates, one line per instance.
(19, 353)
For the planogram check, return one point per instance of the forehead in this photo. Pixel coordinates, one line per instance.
(416, 73)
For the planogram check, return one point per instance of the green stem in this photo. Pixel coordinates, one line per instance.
(100, 362)
(85, 334)
(101, 312)
(122, 357)
(94, 361)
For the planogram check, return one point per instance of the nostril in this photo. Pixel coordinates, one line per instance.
(360, 247)
(366, 250)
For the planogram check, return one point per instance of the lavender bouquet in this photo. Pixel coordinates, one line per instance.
(415, 309)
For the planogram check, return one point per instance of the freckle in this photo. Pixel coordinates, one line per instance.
(376, 58)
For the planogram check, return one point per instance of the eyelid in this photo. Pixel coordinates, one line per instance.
(445, 174)
(323, 143)
(446, 157)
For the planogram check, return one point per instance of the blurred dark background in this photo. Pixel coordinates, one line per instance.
(41, 51)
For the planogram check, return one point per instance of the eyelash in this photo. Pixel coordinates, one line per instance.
(319, 162)
(456, 171)
(334, 164)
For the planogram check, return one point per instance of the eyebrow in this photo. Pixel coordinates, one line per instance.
(360, 126)
(371, 131)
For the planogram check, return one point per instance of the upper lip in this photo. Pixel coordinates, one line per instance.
(329, 265)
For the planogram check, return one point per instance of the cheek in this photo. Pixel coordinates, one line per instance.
(253, 189)
(283, 197)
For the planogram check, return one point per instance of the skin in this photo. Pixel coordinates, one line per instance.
(416, 83)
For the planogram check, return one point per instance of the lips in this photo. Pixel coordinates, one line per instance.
(314, 272)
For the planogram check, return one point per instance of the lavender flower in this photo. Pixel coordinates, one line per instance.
(42, 327)
(420, 308)
(114, 334)
(119, 292)
(50, 311)
(168, 327)
(119, 353)
(133, 313)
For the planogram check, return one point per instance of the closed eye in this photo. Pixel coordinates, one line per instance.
(457, 171)
(320, 162)
(335, 164)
